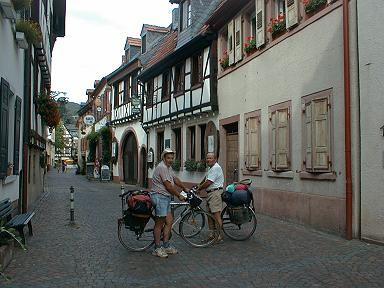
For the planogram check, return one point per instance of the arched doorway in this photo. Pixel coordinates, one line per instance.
(143, 165)
(130, 159)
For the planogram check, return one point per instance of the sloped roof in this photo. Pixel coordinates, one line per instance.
(165, 47)
(154, 28)
(133, 41)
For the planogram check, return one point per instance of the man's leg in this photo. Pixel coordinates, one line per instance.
(159, 224)
(167, 226)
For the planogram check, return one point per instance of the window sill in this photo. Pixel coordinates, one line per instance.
(327, 176)
(285, 174)
(9, 179)
(252, 172)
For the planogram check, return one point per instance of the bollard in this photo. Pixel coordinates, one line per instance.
(72, 210)
(122, 202)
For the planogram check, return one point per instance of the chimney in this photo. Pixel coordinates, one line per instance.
(175, 18)
(123, 59)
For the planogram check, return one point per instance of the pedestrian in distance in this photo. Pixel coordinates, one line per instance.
(164, 182)
(213, 185)
(63, 166)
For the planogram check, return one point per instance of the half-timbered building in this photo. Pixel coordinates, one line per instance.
(180, 96)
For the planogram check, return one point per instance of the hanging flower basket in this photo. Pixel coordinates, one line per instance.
(311, 6)
(31, 30)
(48, 110)
(21, 4)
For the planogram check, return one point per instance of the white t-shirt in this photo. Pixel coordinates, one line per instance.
(215, 174)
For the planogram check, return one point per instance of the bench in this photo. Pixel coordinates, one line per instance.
(18, 222)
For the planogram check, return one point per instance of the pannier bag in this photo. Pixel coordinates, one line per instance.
(240, 197)
(133, 222)
(140, 204)
(239, 214)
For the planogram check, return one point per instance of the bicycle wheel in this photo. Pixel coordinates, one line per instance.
(136, 240)
(196, 223)
(241, 231)
(178, 215)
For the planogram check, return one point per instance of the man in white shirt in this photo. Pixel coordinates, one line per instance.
(213, 185)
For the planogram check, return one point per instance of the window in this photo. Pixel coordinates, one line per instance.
(179, 78)
(116, 96)
(317, 132)
(203, 127)
(160, 144)
(150, 93)
(185, 15)
(280, 7)
(279, 133)
(127, 96)
(121, 92)
(144, 44)
(5, 95)
(253, 25)
(165, 88)
(134, 84)
(192, 142)
(252, 141)
(177, 143)
(197, 69)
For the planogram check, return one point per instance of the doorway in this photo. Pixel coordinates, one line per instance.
(232, 152)
(130, 159)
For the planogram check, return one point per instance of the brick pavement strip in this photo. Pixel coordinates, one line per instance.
(280, 254)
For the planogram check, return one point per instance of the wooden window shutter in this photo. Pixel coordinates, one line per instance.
(238, 39)
(16, 153)
(282, 140)
(320, 134)
(272, 147)
(308, 137)
(231, 43)
(4, 111)
(254, 143)
(260, 23)
(246, 143)
(292, 12)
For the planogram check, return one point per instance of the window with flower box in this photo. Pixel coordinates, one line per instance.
(316, 123)
(279, 137)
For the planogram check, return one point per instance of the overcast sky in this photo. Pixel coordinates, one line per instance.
(96, 31)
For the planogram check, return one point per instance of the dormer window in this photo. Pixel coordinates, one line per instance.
(144, 44)
(185, 14)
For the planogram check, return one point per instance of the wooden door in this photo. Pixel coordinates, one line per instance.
(130, 159)
(232, 155)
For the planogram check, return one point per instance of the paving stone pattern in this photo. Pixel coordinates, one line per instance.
(280, 254)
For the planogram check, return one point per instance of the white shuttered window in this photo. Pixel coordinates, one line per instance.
(279, 118)
(317, 133)
(231, 43)
(260, 23)
(252, 143)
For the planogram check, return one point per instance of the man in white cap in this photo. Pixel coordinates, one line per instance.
(164, 182)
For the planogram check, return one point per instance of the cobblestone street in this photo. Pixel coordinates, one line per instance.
(279, 255)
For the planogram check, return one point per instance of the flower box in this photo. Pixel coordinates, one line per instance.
(311, 7)
(224, 61)
(250, 46)
(277, 26)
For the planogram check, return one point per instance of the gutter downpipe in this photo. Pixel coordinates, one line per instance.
(347, 112)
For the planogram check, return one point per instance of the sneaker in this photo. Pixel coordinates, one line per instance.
(219, 239)
(159, 252)
(171, 250)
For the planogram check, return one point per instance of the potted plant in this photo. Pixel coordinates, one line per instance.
(224, 61)
(250, 46)
(31, 30)
(176, 165)
(311, 6)
(10, 169)
(21, 4)
(277, 25)
(190, 165)
(201, 166)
